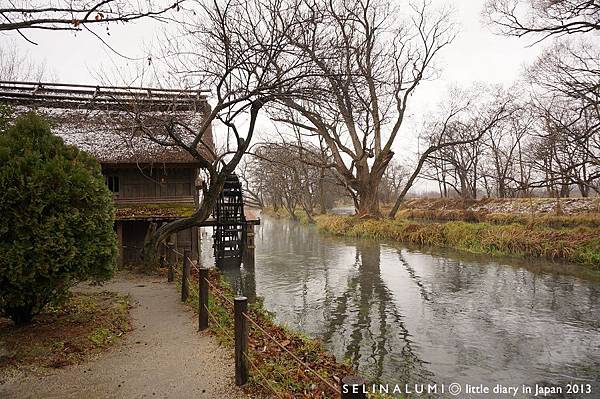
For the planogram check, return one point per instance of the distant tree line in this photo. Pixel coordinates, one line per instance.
(547, 145)
(291, 177)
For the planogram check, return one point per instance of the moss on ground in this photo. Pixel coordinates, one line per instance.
(134, 212)
(86, 324)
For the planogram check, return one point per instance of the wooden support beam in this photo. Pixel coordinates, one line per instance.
(241, 340)
(185, 276)
(203, 298)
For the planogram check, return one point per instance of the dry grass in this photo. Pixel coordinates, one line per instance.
(591, 220)
(575, 244)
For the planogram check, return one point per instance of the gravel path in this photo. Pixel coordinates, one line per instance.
(163, 357)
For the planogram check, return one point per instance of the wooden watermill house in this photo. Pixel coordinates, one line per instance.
(125, 129)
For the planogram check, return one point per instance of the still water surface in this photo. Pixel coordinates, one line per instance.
(408, 316)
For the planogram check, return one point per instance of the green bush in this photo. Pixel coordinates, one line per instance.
(56, 219)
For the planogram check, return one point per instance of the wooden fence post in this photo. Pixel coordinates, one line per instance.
(185, 280)
(202, 298)
(353, 387)
(241, 340)
(162, 261)
(170, 262)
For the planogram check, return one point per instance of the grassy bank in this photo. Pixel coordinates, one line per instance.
(281, 213)
(271, 368)
(67, 334)
(591, 220)
(579, 244)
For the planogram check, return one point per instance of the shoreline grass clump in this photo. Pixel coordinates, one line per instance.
(574, 244)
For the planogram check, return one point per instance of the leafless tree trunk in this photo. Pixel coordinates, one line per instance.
(367, 58)
(457, 129)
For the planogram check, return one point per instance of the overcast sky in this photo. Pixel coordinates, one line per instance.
(477, 55)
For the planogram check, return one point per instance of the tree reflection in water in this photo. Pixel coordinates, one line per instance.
(402, 315)
(366, 319)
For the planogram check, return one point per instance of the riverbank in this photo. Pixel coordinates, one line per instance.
(566, 230)
(579, 244)
(273, 371)
(406, 313)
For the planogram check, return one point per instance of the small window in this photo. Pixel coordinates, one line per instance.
(113, 183)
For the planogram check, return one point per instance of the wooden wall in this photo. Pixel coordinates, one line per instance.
(154, 182)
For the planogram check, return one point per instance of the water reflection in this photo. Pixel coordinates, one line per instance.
(369, 326)
(401, 315)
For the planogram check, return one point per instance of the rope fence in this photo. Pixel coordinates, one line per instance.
(349, 387)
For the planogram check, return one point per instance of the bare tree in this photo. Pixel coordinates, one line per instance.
(392, 182)
(231, 47)
(503, 169)
(567, 147)
(566, 89)
(17, 66)
(75, 15)
(570, 70)
(461, 127)
(294, 175)
(365, 62)
(284, 177)
(253, 183)
(566, 98)
(544, 18)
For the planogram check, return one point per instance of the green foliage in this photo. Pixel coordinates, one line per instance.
(5, 115)
(57, 218)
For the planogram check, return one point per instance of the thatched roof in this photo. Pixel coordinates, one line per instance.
(118, 125)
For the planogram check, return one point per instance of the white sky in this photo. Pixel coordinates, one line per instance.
(477, 55)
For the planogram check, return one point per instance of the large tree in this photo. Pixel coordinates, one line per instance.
(365, 60)
(231, 48)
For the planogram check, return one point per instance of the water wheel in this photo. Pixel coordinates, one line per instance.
(228, 213)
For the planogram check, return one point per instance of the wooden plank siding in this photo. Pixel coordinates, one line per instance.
(140, 185)
(158, 184)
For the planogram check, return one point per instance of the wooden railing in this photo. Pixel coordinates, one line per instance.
(349, 387)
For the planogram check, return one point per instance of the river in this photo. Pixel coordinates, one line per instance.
(403, 315)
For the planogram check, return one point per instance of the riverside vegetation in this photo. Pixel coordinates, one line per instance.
(573, 237)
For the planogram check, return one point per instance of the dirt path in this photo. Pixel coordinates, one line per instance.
(163, 357)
